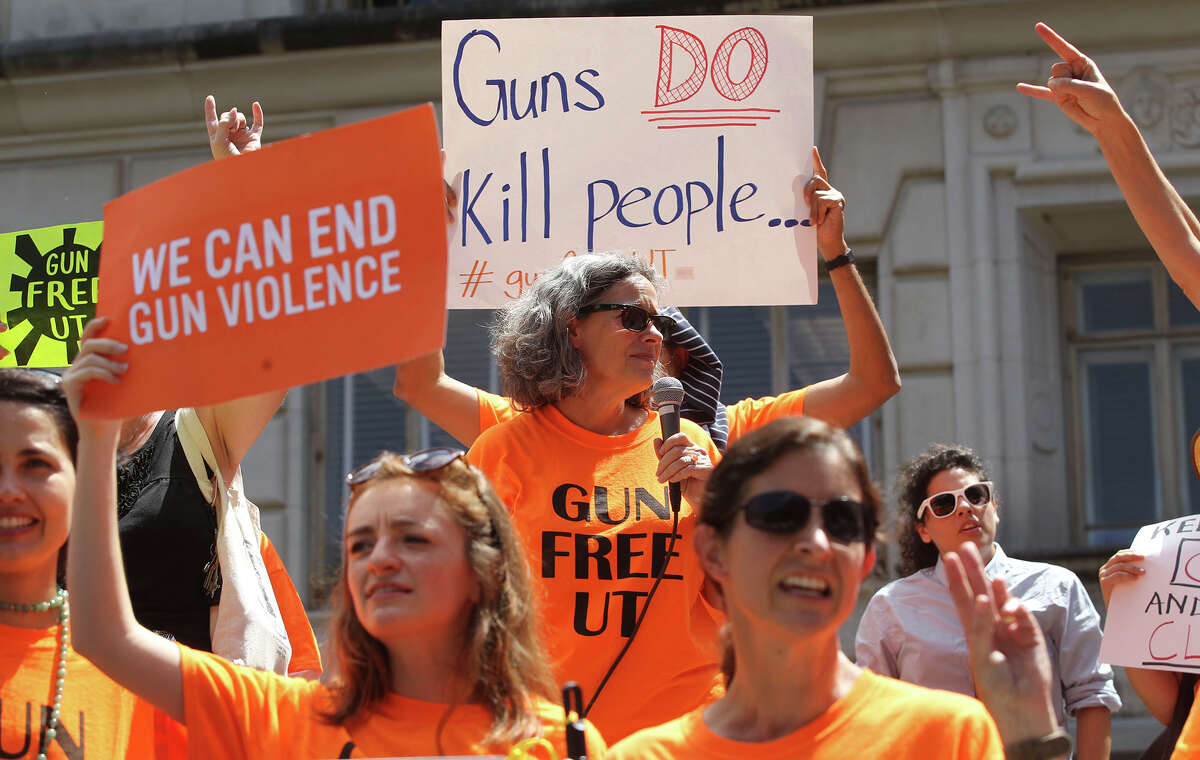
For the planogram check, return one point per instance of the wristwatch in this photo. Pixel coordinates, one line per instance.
(1057, 744)
(840, 261)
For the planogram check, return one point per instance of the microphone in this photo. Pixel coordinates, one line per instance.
(667, 396)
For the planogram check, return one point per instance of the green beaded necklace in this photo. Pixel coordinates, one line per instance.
(49, 730)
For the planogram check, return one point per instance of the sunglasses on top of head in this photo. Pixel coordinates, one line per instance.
(943, 504)
(634, 317)
(781, 512)
(420, 463)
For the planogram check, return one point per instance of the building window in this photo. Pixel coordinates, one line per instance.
(767, 350)
(1133, 360)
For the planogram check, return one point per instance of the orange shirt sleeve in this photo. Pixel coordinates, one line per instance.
(306, 655)
(1189, 738)
(233, 712)
(751, 413)
(493, 409)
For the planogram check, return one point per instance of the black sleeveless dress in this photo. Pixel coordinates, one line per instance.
(168, 539)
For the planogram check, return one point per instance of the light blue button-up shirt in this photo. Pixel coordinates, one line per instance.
(911, 631)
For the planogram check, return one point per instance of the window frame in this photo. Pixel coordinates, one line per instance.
(1165, 346)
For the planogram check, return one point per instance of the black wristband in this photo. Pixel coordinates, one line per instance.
(840, 261)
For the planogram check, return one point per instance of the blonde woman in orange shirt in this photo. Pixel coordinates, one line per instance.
(434, 631)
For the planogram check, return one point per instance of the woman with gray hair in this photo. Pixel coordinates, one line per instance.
(586, 478)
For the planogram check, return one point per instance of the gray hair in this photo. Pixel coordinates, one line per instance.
(538, 364)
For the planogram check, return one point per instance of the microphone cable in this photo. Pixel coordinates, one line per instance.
(637, 626)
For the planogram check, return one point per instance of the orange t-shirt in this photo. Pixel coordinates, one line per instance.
(305, 653)
(98, 717)
(744, 416)
(595, 523)
(880, 718)
(751, 413)
(1188, 745)
(240, 713)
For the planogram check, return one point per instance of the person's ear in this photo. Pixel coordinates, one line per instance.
(573, 332)
(868, 562)
(710, 548)
(923, 532)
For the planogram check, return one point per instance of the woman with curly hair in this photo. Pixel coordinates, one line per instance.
(437, 650)
(910, 629)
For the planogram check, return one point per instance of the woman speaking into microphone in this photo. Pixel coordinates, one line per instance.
(584, 473)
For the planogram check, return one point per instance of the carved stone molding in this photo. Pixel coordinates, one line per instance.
(1185, 117)
(1146, 92)
(1000, 121)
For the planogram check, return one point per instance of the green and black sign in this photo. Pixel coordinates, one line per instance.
(48, 284)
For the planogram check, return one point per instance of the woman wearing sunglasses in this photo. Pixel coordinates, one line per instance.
(433, 625)
(910, 629)
(55, 703)
(586, 480)
(870, 380)
(786, 536)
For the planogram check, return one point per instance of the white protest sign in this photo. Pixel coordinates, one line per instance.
(1151, 621)
(676, 139)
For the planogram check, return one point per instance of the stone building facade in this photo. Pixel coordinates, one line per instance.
(1027, 312)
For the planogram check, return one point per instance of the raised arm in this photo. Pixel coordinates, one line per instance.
(103, 628)
(451, 404)
(1080, 90)
(873, 376)
(234, 426)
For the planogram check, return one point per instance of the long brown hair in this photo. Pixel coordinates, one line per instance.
(504, 659)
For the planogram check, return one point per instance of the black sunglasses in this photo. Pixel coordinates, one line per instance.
(781, 512)
(634, 317)
(421, 462)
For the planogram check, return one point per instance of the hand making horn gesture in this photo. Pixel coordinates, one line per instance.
(1076, 86)
(228, 135)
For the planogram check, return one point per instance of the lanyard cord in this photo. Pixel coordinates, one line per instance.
(637, 626)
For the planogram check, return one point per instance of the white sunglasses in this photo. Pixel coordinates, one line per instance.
(943, 504)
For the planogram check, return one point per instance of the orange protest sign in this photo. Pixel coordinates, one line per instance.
(309, 259)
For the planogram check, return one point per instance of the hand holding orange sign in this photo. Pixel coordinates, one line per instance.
(327, 261)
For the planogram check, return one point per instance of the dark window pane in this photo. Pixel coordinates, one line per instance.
(326, 541)
(1122, 480)
(817, 348)
(1112, 537)
(1111, 301)
(1182, 312)
(1189, 381)
(468, 358)
(379, 416)
(741, 336)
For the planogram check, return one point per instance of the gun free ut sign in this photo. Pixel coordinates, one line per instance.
(48, 287)
(679, 140)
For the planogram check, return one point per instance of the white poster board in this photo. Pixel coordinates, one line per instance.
(682, 140)
(1151, 621)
